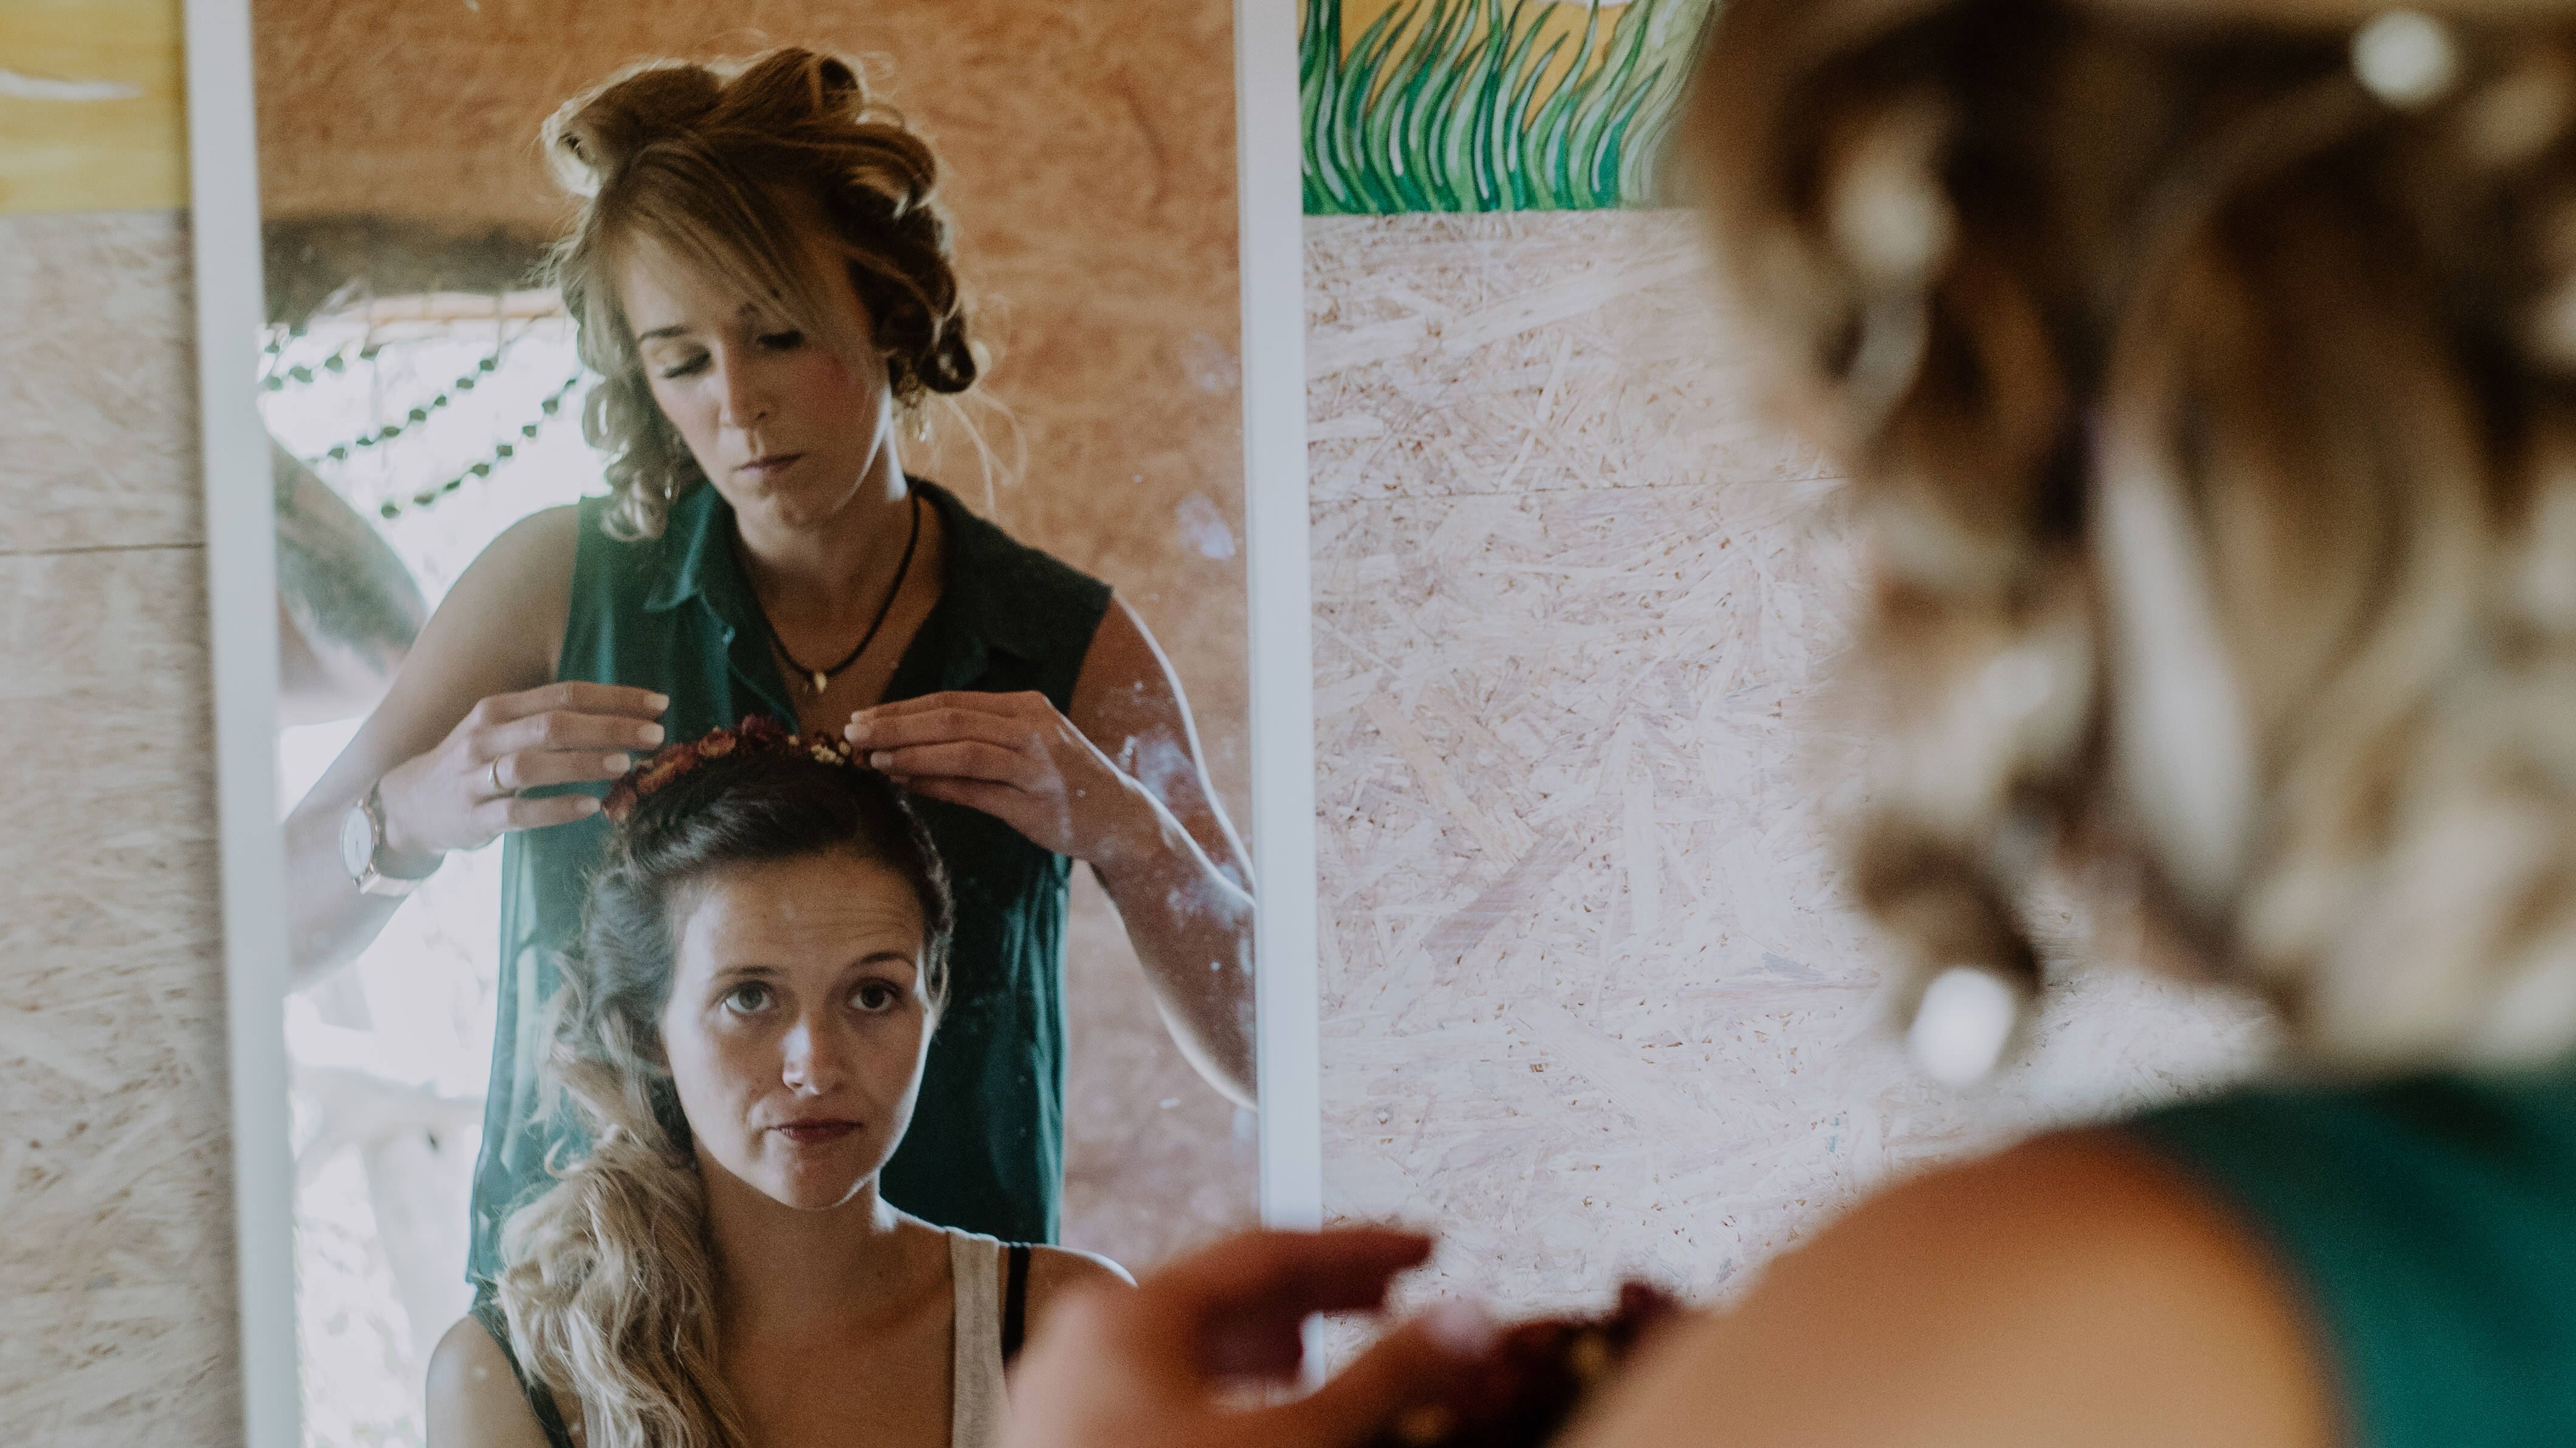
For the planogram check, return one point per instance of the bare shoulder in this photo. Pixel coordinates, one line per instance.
(1125, 675)
(474, 1399)
(1059, 1272)
(2075, 1289)
(500, 626)
(531, 558)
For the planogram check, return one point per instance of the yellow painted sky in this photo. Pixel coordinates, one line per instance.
(92, 116)
(1562, 18)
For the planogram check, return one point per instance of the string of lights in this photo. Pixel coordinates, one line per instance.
(280, 378)
(501, 453)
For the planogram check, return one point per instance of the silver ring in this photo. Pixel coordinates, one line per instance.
(498, 789)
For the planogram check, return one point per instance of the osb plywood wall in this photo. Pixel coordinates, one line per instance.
(116, 1290)
(1591, 1003)
(1089, 161)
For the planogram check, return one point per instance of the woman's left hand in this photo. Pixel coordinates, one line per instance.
(1016, 758)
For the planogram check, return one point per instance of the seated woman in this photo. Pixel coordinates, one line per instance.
(763, 962)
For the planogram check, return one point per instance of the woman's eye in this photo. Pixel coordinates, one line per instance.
(783, 341)
(744, 1000)
(877, 996)
(686, 368)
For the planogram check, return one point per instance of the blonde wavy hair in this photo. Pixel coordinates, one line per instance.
(736, 168)
(608, 1284)
(2207, 377)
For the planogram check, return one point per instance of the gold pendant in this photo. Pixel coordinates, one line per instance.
(820, 681)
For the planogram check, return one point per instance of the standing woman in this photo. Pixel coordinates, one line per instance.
(761, 280)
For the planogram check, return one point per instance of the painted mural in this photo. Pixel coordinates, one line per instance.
(1490, 105)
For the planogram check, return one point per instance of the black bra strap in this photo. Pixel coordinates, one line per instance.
(1015, 1303)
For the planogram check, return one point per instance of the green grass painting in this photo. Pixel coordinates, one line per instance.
(1491, 105)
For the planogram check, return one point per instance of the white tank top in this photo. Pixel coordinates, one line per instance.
(978, 1407)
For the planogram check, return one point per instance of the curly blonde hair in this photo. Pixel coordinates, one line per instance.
(608, 1284)
(2210, 400)
(736, 168)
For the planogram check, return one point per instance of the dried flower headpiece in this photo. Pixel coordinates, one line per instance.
(757, 734)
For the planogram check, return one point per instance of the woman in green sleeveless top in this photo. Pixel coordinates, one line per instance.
(2206, 374)
(761, 280)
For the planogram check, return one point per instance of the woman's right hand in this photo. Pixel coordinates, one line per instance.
(466, 792)
(1167, 1364)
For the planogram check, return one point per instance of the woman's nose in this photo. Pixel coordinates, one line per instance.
(815, 1058)
(745, 399)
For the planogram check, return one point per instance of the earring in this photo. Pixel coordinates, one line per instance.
(2406, 58)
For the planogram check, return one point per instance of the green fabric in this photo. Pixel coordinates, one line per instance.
(2432, 1225)
(986, 1148)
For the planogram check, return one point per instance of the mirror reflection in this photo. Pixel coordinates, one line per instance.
(761, 719)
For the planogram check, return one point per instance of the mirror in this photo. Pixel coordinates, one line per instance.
(759, 485)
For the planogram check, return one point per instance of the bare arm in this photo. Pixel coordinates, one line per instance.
(1181, 880)
(460, 709)
(474, 1400)
(1118, 783)
(2075, 1290)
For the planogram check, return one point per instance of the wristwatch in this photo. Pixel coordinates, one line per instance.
(362, 845)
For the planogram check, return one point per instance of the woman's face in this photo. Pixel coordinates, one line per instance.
(783, 425)
(797, 1023)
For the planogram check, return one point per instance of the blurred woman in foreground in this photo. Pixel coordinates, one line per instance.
(2207, 374)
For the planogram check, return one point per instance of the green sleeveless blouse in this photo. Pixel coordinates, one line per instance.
(2431, 1225)
(676, 614)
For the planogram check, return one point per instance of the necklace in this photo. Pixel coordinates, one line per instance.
(822, 678)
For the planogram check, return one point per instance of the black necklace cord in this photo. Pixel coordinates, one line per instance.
(821, 679)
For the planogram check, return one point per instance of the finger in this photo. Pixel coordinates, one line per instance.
(935, 726)
(964, 760)
(1236, 1297)
(536, 768)
(1412, 1368)
(565, 729)
(517, 812)
(1339, 1269)
(577, 696)
(998, 800)
(1015, 701)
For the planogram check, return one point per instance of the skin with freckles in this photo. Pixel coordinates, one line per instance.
(796, 434)
(795, 426)
(825, 514)
(796, 1028)
(795, 1032)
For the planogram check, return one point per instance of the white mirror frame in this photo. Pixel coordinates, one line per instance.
(241, 574)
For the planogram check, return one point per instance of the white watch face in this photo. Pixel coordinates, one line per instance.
(357, 841)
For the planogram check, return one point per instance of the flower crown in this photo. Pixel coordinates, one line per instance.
(757, 734)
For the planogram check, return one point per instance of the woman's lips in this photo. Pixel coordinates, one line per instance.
(815, 1133)
(770, 466)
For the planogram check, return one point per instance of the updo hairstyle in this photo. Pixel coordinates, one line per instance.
(738, 169)
(2207, 380)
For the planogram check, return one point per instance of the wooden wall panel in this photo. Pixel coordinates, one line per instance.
(91, 112)
(1592, 1002)
(116, 1292)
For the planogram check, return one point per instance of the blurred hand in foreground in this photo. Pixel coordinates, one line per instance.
(1176, 1361)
